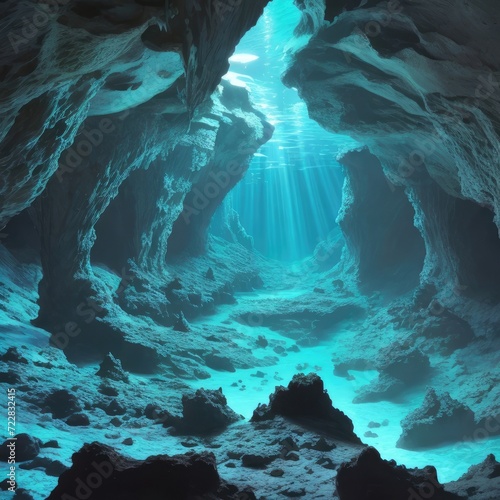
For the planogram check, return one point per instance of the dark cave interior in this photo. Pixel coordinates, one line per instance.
(249, 249)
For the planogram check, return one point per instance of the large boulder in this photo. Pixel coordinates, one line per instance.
(25, 447)
(62, 403)
(369, 477)
(204, 412)
(99, 471)
(440, 419)
(305, 399)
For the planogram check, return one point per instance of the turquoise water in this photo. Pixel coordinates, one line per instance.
(291, 195)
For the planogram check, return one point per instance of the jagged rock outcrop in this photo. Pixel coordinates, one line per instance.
(480, 482)
(204, 412)
(440, 419)
(369, 476)
(306, 399)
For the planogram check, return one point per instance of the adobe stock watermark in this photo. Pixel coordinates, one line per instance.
(84, 146)
(45, 11)
(88, 311)
(84, 489)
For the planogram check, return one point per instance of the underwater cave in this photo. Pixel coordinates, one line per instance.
(249, 249)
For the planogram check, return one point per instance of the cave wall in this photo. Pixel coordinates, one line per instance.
(377, 220)
(419, 87)
(92, 93)
(166, 208)
(236, 141)
(65, 61)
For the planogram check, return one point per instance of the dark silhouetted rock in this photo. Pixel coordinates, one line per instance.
(50, 444)
(368, 477)
(107, 390)
(26, 448)
(115, 408)
(62, 403)
(98, 470)
(306, 399)
(440, 419)
(78, 420)
(10, 377)
(257, 461)
(12, 354)
(262, 341)
(52, 468)
(220, 363)
(112, 368)
(321, 445)
(22, 494)
(205, 411)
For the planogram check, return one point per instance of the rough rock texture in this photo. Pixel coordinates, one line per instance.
(94, 93)
(100, 471)
(204, 412)
(305, 398)
(62, 403)
(440, 419)
(64, 61)
(112, 368)
(158, 173)
(400, 367)
(420, 90)
(373, 217)
(369, 477)
(480, 482)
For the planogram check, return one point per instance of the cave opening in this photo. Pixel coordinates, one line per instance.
(247, 251)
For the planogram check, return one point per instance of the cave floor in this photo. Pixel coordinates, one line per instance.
(285, 354)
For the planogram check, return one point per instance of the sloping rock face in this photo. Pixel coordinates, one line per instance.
(420, 89)
(480, 481)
